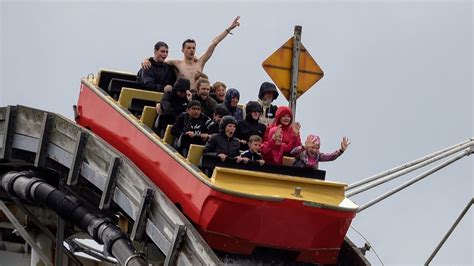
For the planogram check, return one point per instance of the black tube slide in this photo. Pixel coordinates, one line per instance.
(26, 187)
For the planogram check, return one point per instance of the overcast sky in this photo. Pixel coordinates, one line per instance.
(398, 83)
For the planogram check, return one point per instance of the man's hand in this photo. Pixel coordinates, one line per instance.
(261, 162)
(158, 109)
(190, 133)
(234, 24)
(146, 64)
(238, 159)
(345, 143)
(243, 141)
(296, 128)
(204, 136)
(222, 156)
(167, 88)
(189, 95)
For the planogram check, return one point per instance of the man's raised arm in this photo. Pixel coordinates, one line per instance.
(217, 40)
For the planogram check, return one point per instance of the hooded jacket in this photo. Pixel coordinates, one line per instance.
(220, 143)
(250, 126)
(268, 110)
(185, 123)
(273, 152)
(233, 111)
(157, 76)
(172, 105)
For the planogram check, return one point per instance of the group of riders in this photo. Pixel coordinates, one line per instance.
(209, 114)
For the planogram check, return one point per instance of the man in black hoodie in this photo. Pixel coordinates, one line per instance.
(172, 105)
(266, 95)
(250, 125)
(160, 76)
(224, 144)
(191, 127)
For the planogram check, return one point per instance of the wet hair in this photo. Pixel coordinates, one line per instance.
(160, 44)
(218, 84)
(200, 75)
(256, 138)
(200, 82)
(188, 41)
(221, 110)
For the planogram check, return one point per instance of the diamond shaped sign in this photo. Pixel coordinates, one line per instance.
(278, 67)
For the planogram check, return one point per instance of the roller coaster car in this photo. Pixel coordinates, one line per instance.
(236, 210)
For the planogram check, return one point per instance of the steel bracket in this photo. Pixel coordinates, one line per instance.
(7, 143)
(75, 170)
(42, 150)
(110, 184)
(178, 235)
(138, 230)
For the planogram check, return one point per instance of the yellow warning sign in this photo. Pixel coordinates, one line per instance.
(278, 67)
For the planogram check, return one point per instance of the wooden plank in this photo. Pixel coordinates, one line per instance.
(64, 133)
(29, 121)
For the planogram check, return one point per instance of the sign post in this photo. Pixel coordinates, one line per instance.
(295, 61)
(293, 69)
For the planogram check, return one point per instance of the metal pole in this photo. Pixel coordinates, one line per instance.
(414, 180)
(25, 235)
(295, 62)
(406, 170)
(60, 241)
(468, 206)
(398, 168)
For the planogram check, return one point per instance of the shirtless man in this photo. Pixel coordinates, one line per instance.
(190, 65)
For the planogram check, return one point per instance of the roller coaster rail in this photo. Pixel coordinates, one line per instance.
(35, 139)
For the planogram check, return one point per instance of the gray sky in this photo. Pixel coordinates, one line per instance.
(398, 83)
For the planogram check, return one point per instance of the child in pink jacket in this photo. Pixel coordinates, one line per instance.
(310, 156)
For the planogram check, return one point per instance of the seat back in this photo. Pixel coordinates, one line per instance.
(168, 137)
(116, 85)
(139, 98)
(195, 153)
(288, 161)
(105, 76)
(148, 116)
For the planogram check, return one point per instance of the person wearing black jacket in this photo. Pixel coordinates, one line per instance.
(219, 113)
(161, 76)
(191, 127)
(172, 105)
(266, 95)
(250, 125)
(224, 144)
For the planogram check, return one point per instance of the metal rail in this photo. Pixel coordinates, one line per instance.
(414, 180)
(407, 169)
(446, 236)
(407, 165)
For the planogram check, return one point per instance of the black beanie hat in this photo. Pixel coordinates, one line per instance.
(193, 103)
(228, 119)
(221, 110)
(253, 106)
(182, 85)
